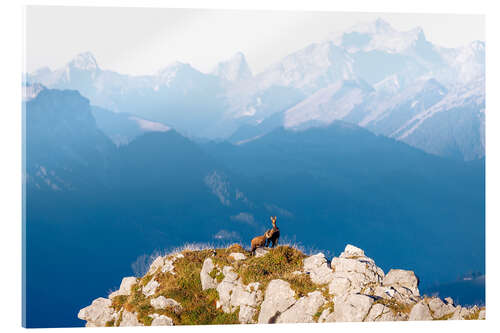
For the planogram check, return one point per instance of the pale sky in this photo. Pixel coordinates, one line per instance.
(142, 41)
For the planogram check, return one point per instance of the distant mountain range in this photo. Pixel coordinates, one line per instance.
(94, 206)
(393, 83)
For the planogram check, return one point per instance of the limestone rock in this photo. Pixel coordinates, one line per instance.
(229, 274)
(278, 298)
(237, 256)
(161, 302)
(233, 294)
(439, 309)
(125, 287)
(380, 312)
(324, 315)
(303, 310)
(207, 282)
(384, 292)
(352, 251)
(402, 278)
(353, 307)
(129, 319)
(150, 288)
(98, 313)
(354, 275)
(340, 285)
(168, 266)
(157, 263)
(460, 313)
(164, 263)
(246, 314)
(261, 251)
(361, 292)
(397, 293)
(318, 269)
(420, 311)
(161, 320)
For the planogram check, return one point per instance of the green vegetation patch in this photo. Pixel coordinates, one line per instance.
(145, 280)
(199, 307)
(445, 317)
(117, 302)
(110, 323)
(278, 263)
(328, 305)
(473, 315)
(395, 306)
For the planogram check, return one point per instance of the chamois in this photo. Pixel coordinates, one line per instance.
(274, 233)
(259, 241)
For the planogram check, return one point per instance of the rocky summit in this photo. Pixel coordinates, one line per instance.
(280, 285)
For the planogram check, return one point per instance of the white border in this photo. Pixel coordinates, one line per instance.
(11, 30)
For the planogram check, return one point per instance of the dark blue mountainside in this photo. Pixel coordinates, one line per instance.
(93, 208)
(342, 183)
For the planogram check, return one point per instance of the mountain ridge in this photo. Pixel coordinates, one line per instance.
(279, 285)
(216, 105)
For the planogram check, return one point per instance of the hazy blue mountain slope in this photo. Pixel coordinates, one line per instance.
(398, 111)
(425, 115)
(452, 127)
(63, 119)
(94, 208)
(342, 181)
(122, 127)
(178, 94)
(327, 185)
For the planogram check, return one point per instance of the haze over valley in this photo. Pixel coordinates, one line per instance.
(373, 137)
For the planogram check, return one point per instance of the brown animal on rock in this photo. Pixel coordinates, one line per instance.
(259, 241)
(274, 234)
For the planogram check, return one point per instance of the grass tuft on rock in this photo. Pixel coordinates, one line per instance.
(278, 263)
(199, 307)
(474, 315)
(395, 306)
(110, 323)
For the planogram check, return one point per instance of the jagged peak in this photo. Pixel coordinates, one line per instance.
(175, 70)
(378, 35)
(174, 67)
(234, 69)
(84, 61)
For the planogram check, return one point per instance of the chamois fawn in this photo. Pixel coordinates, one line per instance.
(259, 241)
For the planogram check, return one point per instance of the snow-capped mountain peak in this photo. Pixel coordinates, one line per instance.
(234, 69)
(175, 70)
(310, 68)
(84, 61)
(378, 35)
